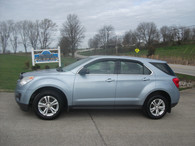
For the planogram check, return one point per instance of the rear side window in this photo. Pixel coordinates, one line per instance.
(164, 67)
(132, 67)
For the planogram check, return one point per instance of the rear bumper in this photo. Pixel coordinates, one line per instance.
(174, 104)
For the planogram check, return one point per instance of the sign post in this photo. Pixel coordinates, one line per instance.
(46, 56)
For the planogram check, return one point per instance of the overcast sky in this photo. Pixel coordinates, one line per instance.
(123, 15)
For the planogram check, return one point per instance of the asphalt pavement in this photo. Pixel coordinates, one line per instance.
(183, 69)
(98, 127)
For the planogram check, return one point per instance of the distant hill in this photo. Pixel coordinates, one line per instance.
(179, 54)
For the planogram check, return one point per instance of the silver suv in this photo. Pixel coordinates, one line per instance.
(100, 82)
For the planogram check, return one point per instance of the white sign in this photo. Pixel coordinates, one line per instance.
(46, 56)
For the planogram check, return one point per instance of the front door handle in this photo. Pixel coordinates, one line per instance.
(109, 80)
(146, 79)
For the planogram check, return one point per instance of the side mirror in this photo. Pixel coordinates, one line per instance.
(84, 71)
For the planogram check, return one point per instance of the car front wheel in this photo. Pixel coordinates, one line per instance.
(48, 105)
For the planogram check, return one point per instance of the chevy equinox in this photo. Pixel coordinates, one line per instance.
(100, 82)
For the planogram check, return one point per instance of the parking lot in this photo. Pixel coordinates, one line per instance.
(98, 127)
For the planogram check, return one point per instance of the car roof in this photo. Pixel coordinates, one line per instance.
(128, 57)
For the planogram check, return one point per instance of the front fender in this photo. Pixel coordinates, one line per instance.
(65, 86)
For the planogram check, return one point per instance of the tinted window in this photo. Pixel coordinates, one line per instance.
(164, 67)
(147, 71)
(76, 64)
(129, 67)
(102, 67)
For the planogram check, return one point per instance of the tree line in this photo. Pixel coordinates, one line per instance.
(28, 33)
(146, 35)
(40, 34)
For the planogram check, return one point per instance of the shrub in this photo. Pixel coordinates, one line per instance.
(36, 67)
(27, 64)
(47, 67)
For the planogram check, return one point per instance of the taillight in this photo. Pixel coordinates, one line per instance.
(176, 82)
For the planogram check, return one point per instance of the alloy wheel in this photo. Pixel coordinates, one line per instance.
(48, 106)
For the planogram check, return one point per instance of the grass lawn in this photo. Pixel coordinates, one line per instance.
(183, 77)
(181, 54)
(186, 78)
(12, 65)
(184, 51)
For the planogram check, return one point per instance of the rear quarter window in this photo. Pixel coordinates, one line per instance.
(164, 67)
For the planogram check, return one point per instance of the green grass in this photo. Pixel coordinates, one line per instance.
(187, 78)
(185, 51)
(12, 65)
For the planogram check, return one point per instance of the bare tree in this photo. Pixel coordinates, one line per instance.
(106, 33)
(148, 32)
(23, 32)
(46, 31)
(174, 33)
(103, 40)
(73, 31)
(33, 34)
(94, 42)
(169, 33)
(64, 45)
(185, 33)
(126, 39)
(165, 33)
(90, 43)
(130, 38)
(14, 36)
(193, 33)
(116, 42)
(5, 29)
(138, 38)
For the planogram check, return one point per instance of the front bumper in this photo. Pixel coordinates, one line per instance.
(24, 107)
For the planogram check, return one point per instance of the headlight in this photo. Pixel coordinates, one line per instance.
(25, 80)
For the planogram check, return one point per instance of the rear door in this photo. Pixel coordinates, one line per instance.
(133, 77)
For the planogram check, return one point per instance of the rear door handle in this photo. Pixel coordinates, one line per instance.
(146, 79)
(109, 80)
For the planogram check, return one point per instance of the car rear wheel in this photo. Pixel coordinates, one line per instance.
(48, 105)
(156, 107)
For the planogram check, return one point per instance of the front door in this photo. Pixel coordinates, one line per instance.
(97, 88)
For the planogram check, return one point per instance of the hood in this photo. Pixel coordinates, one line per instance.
(40, 73)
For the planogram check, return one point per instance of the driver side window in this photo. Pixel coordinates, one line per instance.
(102, 67)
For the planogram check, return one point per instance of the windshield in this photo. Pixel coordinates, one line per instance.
(76, 64)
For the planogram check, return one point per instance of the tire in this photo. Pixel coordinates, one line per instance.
(48, 104)
(156, 107)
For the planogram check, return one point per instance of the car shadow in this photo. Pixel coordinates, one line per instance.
(102, 113)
